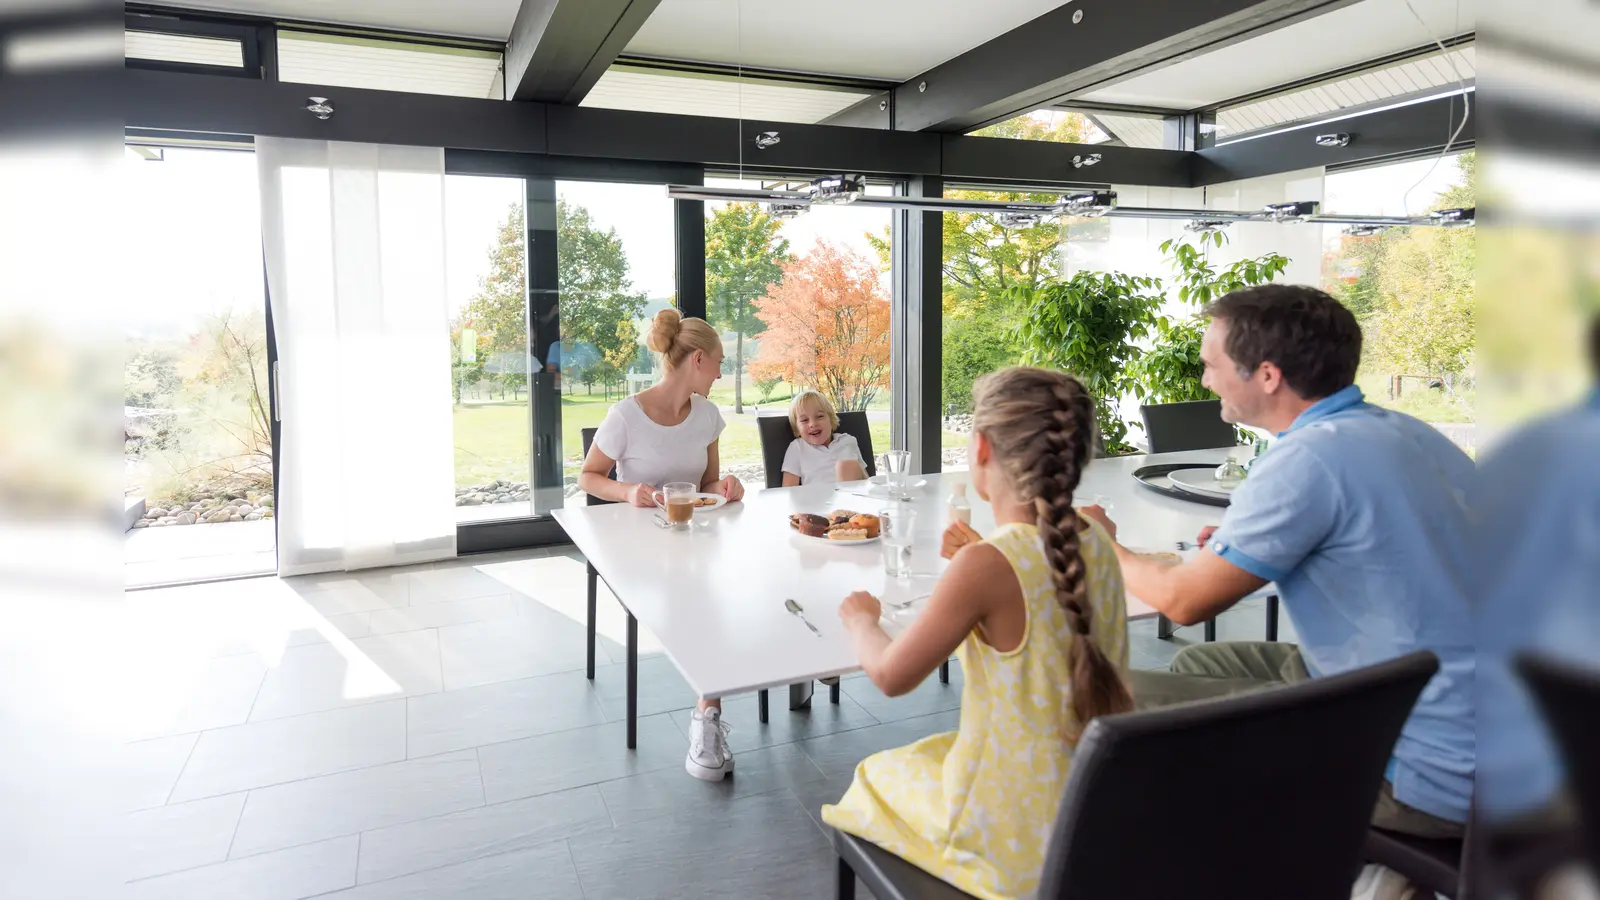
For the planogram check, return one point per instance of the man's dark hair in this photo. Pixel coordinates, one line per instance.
(1307, 334)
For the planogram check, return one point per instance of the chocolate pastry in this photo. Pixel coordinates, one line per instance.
(809, 524)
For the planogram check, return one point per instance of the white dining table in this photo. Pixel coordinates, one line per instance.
(714, 595)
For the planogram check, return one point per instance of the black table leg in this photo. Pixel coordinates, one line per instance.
(944, 672)
(761, 705)
(1272, 617)
(593, 578)
(833, 693)
(1163, 627)
(846, 889)
(633, 682)
(1211, 630)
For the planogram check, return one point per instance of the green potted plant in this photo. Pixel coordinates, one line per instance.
(1088, 325)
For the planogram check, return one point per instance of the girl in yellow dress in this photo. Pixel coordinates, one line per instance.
(1036, 615)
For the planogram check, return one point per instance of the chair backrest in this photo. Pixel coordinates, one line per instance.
(1193, 425)
(1264, 795)
(777, 435)
(1568, 694)
(588, 441)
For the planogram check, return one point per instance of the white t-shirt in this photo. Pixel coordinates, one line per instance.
(815, 465)
(653, 454)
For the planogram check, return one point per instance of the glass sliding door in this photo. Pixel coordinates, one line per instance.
(198, 409)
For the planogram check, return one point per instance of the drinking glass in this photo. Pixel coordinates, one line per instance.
(897, 527)
(677, 503)
(896, 469)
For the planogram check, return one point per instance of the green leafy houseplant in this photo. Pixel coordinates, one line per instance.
(1088, 325)
(1169, 372)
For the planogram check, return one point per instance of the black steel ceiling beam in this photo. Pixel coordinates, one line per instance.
(558, 49)
(1078, 46)
(1385, 135)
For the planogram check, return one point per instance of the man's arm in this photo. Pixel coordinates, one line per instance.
(1187, 593)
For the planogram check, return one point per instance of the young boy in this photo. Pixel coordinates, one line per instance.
(819, 454)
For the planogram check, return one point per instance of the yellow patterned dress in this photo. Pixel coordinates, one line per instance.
(976, 806)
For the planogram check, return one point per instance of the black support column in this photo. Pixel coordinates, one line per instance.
(544, 342)
(690, 219)
(917, 335)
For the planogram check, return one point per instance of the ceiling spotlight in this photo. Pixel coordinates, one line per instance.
(1206, 226)
(1333, 140)
(320, 107)
(832, 190)
(1290, 212)
(1018, 219)
(1080, 161)
(785, 210)
(1454, 218)
(1088, 205)
(1366, 230)
(767, 139)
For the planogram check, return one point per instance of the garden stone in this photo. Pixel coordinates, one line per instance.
(185, 518)
(245, 509)
(266, 502)
(253, 517)
(167, 520)
(142, 523)
(215, 516)
(470, 500)
(155, 513)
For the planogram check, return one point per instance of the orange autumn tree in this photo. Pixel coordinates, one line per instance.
(827, 327)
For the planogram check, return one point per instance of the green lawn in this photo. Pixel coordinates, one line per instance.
(1416, 399)
(491, 439)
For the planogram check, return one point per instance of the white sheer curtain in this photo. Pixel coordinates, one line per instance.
(353, 236)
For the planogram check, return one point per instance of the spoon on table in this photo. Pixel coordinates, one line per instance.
(795, 608)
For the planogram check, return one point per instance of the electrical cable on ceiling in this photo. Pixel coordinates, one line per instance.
(1466, 103)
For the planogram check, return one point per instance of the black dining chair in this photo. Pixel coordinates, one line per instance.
(1194, 425)
(1291, 778)
(593, 576)
(1568, 695)
(777, 435)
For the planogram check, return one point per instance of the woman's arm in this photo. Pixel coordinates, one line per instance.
(712, 482)
(595, 479)
(978, 582)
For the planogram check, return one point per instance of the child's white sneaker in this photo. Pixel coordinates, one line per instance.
(709, 757)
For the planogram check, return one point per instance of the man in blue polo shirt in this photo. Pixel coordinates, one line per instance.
(1359, 514)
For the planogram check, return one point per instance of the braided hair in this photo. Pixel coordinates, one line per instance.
(1042, 427)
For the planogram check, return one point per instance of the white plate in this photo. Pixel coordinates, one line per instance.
(878, 485)
(825, 540)
(721, 502)
(1202, 481)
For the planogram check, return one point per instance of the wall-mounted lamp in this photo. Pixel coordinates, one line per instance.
(767, 139)
(1079, 162)
(320, 107)
(1333, 140)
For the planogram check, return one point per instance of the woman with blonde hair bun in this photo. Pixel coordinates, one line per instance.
(663, 434)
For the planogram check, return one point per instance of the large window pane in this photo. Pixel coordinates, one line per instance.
(386, 65)
(198, 412)
(801, 303)
(486, 243)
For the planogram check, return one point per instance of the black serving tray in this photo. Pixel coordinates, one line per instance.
(1150, 475)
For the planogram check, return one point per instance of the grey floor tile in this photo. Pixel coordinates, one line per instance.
(509, 649)
(661, 688)
(360, 800)
(322, 629)
(784, 726)
(181, 836)
(359, 596)
(761, 846)
(147, 770)
(813, 795)
(569, 759)
(198, 694)
(667, 792)
(453, 583)
(286, 875)
(266, 753)
(484, 831)
(542, 873)
(388, 580)
(927, 698)
(508, 711)
(331, 676)
(837, 755)
(447, 612)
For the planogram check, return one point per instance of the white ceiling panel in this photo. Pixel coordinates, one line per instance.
(183, 48)
(890, 39)
(653, 92)
(384, 66)
(462, 18)
(1345, 37)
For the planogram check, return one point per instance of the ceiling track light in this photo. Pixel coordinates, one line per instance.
(1340, 139)
(786, 210)
(1366, 230)
(767, 139)
(1296, 211)
(319, 107)
(1206, 226)
(1081, 161)
(835, 190)
(1454, 218)
(1018, 219)
(1089, 205)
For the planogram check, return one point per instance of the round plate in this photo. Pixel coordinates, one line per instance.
(1202, 481)
(824, 540)
(878, 485)
(718, 502)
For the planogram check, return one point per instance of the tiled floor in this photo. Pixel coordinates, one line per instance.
(429, 732)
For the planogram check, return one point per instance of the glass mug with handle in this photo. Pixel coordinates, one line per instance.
(677, 501)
